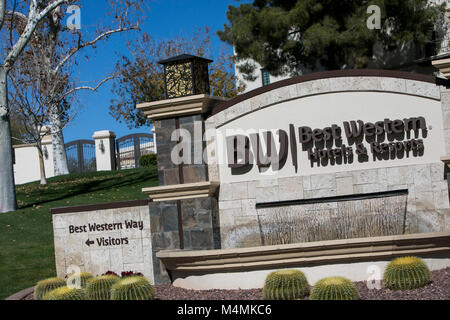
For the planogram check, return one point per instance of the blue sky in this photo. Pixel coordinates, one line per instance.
(166, 19)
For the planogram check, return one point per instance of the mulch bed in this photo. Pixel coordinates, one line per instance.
(439, 289)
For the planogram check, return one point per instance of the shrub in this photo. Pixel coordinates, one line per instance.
(100, 288)
(132, 288)
(148, 160)
(406, 273)
(66, 293)
(45, 286)
(286, 285)
(84, 278)
(334, 288)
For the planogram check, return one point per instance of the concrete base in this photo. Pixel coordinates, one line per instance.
(361, 271)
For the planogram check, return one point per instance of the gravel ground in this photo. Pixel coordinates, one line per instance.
(439, 289)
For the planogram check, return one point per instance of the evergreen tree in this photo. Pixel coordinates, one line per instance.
(285, 36)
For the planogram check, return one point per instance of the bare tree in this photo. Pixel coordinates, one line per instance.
(59, 54)
(36, 12)
(29, 84)
(18, 23)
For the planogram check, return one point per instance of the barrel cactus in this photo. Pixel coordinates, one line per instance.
(84, 278)
(66, 293)
(100, 288)
(406, 273)
(286, 285)
(334, 288)
(132, 288)
(45, 286)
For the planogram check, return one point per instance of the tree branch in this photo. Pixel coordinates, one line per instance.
(87, 87)
(33, 20)
(2, 12)
(16, 14)
(91, 43)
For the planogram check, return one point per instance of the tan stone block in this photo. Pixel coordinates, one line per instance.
(226, 217)
(233, 204)
(74, 258)
(344, 186)
(382, 176)
(343, 174)
(60, 257)
(267, 194)
(447, 140)
(322, 193)
(132, 253)
(316, 87)
(116, 255)
(393, 84)
(423, 89)
(101, 217)
(246, 107)
(239, 190)
(430, 221)
(280, 95)
(447, 221)
(59, 222)
(76, 219)
(446, 118)
(441, 199)
(267, 183)
(251, 189)
(248, 207)
(422, 178)
(437, 172)
(323, 181)
(61, 232)
(213, 172)
(366, 83)
(290, 188)
(424, 201)
(226, 192)
(307, 183)
(219, 119)
(365, 177)
(293, 92)
(130, 233)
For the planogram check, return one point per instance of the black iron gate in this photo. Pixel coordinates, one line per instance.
(131, 148)
(81, 156)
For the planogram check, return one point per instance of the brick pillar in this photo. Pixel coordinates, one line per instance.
(184, 212)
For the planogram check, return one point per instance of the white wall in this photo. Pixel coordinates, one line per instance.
(26, 168)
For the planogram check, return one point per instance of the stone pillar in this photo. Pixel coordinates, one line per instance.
(105, 150)
(184, 211)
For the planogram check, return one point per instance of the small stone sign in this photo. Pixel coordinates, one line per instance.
(97, 239)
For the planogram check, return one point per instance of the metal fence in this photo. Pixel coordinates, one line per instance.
(81, 156)
(130, 148)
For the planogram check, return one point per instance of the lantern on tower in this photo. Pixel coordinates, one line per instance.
(186, 75)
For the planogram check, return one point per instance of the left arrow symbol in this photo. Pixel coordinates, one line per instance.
(88, 242)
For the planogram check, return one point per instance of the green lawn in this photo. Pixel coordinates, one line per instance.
(26, 236)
